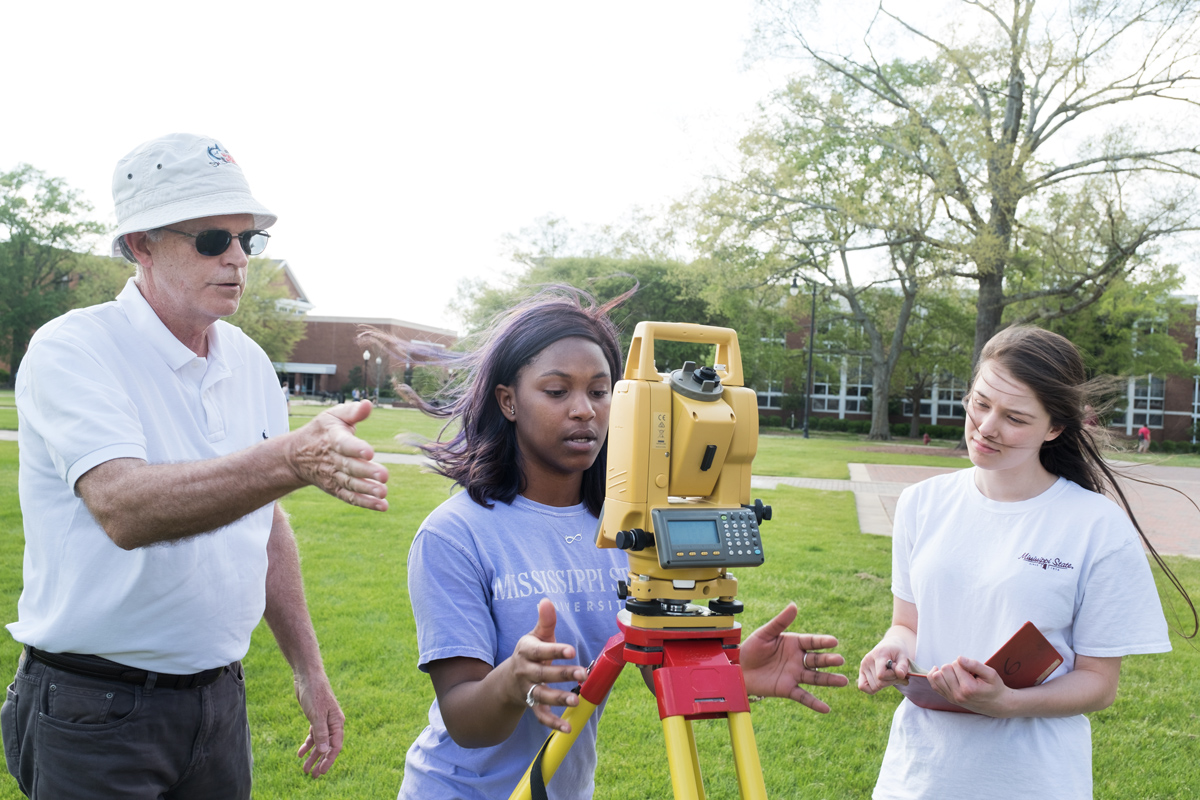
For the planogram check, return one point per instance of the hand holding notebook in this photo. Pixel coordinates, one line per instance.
(1025, 660)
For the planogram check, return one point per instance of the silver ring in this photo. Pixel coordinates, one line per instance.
(529, 701)
(804, 661)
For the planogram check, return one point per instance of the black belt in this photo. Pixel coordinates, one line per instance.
(97, 667)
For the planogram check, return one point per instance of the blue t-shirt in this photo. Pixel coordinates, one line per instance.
(475, 576)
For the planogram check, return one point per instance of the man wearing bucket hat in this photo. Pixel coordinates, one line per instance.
(153, 446)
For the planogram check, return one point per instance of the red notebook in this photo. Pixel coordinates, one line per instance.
(1024, 660)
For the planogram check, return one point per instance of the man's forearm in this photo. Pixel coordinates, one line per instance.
(139, 504)
(287, 610)
(287, 614)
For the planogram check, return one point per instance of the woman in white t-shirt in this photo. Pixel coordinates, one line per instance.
(511, 597)
(1026, 535)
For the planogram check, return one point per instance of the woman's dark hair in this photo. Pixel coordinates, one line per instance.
(482, 456)
(1053, 368)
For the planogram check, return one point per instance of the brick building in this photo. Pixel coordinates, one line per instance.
(1168, 405)
(323, 359)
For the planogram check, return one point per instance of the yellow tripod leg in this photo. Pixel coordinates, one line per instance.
(751, 785)
(682, 758)
(556, 747)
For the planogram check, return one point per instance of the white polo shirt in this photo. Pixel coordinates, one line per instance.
(110, 381)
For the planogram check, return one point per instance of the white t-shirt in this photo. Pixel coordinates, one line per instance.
(1069, 561)
(110, 381)
(475, 577)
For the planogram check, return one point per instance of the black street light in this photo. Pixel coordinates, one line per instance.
(812, 335)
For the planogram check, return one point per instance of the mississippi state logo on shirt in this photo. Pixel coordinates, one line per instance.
(1046, 563)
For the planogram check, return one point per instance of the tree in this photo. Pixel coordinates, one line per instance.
(1128, 331)
(990, 120)
(260, 315)
(667, 292)
(937, 347)
(42, 225)
(97, 279)
(640, 235)
(354, 380)
(840, 213)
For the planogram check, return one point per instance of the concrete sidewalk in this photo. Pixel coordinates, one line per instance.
(1165, 512)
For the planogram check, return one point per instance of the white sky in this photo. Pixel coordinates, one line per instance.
(397, 141)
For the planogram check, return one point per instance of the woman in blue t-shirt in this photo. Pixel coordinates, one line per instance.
(510, 596)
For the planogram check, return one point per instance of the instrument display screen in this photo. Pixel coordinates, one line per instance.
(706, 537)
(694, 532)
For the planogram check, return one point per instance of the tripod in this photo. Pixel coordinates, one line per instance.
(698, 677)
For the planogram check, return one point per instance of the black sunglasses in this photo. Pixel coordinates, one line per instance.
(216, 242)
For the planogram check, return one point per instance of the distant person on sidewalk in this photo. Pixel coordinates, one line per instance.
(1026, 535)
(1143, 439)
(154, 445)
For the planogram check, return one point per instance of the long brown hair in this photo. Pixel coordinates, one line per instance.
(1051, 366)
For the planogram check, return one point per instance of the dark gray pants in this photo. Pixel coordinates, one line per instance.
(68, 737)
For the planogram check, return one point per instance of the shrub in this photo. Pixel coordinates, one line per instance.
(951, 432)
(840, 425)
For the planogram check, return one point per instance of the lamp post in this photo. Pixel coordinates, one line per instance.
(812, 335)
(366, 366)
(378, 375)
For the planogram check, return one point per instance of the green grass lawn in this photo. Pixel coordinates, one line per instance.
(1146, 745)
(8, 410)
(826, 455)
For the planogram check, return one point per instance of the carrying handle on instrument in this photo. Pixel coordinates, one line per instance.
(641, 367)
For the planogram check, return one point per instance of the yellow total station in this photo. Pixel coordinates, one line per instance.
(680, 447)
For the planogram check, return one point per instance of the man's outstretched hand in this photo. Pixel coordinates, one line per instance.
(325, 453)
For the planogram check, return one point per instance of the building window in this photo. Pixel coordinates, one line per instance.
(858, 385)
(1149, 399)
(826, 387)
(771, 397)
(947, 394)
(950, 397)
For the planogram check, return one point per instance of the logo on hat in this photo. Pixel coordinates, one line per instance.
(219, 155)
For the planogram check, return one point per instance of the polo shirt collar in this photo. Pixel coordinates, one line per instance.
(176, 354)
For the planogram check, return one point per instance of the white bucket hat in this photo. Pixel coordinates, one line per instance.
(177, 177)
